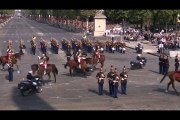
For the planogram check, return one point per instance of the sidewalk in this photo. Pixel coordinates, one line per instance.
(148, 47)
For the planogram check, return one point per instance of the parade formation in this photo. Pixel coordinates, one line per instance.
(88, 72)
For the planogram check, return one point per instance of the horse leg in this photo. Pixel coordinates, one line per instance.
(49, 76)
(84, 71)
(17, 67)
(3, 67)
(168, 86)
(70, 71)
(173, 86)
(54, 77)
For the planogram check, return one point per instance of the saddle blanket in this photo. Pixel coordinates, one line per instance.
(177, 75)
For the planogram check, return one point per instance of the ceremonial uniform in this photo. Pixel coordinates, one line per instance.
(115, 85)
(98, 53)
(45, 62)
(161, 62)
(123, 77)
(21, 47)
(110, 77)
(166, 65)
(100, 76)
(10, 70)
(33, 45)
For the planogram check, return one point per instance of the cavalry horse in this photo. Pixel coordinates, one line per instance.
(73, 65)
(4, 60)
(94, 60)
(173, 76)
(39, 69)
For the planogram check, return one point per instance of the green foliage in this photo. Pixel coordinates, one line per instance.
(136, 17)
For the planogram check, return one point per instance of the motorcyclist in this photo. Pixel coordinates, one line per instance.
(32, 79)
(139, 59)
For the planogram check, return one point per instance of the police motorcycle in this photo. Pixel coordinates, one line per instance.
(31, 85)
(135, 64)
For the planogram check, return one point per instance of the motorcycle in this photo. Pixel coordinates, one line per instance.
(138, 65)
(30, 86)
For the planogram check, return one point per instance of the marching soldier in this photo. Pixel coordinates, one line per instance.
(100, 76)
(33, 45)
(21, 47)
(10, 69)
(115, 84)
(110, 77)
(45, 59)
(123, 78)
(166, 65)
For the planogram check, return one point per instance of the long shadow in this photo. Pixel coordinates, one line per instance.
(105, 92)
(76, 74)
(154, 71)
(30, 102)
(170, 92)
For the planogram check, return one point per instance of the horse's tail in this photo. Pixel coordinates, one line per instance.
(163, 77)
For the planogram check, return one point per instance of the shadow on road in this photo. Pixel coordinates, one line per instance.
(170, 92)
(154, 71)
(105, 92)
(30, 102)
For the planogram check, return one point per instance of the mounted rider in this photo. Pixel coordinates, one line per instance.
(98, 53)
(10, 51)
(80, 57)
(44, 63)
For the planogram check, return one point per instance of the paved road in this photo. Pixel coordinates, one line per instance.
(79, 93)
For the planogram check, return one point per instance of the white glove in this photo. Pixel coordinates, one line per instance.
(39, 57)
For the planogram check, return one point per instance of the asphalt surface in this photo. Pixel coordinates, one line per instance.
(144, 92)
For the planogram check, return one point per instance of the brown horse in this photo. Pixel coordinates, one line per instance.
(4, 60)
(40, 70)
(73, 65)
(95, 60)
(173, 77)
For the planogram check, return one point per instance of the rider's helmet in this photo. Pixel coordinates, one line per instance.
(43, 55)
